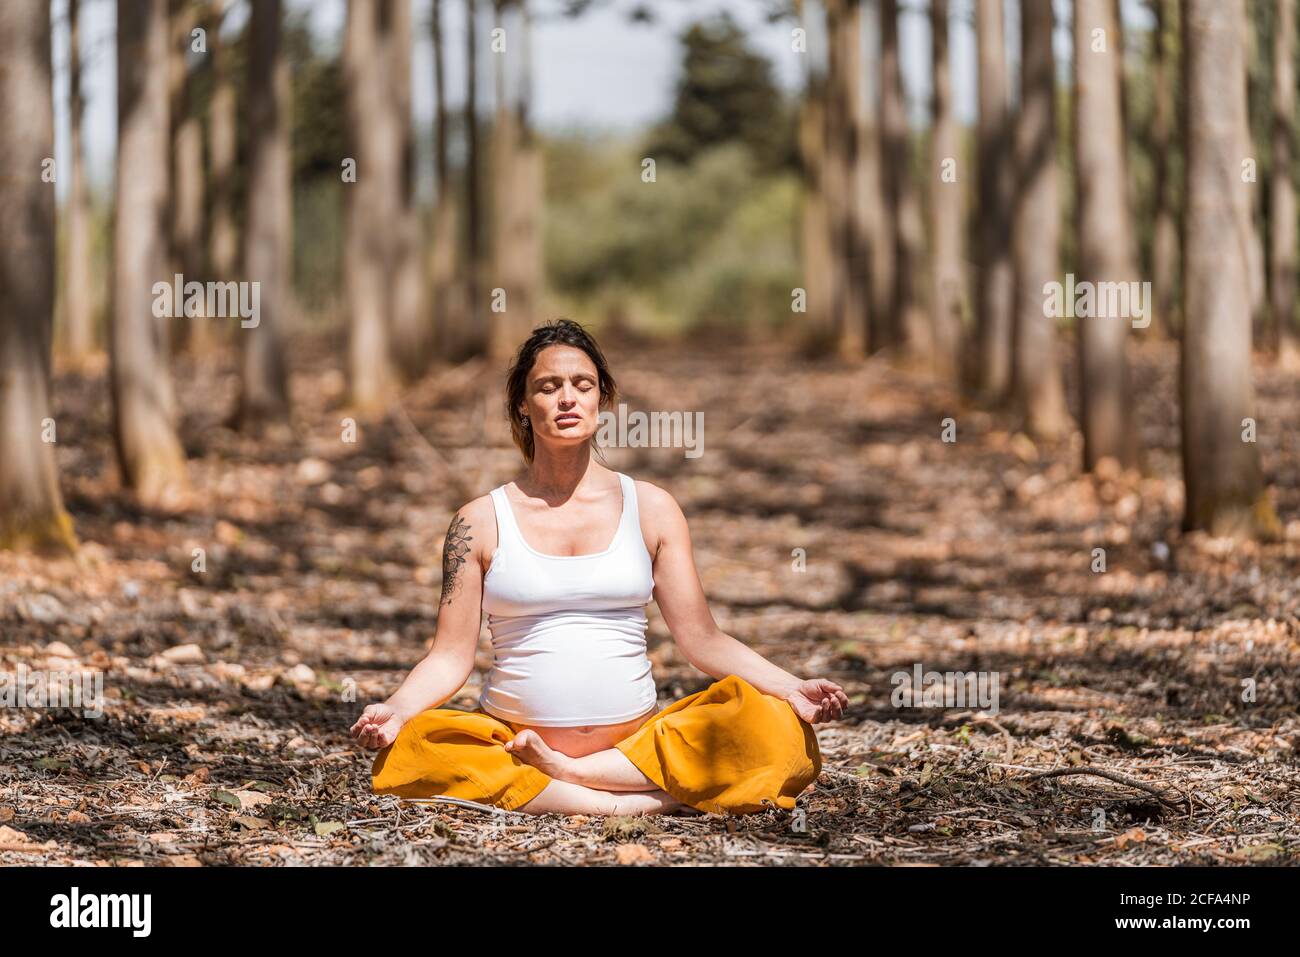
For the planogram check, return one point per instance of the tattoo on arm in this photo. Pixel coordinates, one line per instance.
(454, 553)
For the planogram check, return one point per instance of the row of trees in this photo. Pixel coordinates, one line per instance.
(863, 256)
(174, 211)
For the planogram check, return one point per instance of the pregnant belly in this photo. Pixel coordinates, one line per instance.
(580, 741)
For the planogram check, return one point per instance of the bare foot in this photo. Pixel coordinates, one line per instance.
(529, 748)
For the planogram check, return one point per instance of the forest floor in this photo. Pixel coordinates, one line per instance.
(1146, 714)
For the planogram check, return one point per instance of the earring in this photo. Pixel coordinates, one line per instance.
(524, 420)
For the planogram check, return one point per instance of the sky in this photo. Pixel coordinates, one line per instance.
(597, 73)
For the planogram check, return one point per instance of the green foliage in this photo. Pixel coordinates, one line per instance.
(709, 243)
(725, 93)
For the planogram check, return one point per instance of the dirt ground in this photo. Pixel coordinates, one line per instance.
(1146, 714)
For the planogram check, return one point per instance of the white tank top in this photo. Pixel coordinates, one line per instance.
(568, 631)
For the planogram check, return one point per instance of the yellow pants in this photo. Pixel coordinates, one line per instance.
(723, 750)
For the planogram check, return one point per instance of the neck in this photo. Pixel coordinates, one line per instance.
(555, 474)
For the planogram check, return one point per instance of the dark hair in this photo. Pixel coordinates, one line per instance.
(561, 332)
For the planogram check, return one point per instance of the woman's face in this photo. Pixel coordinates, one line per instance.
(562, 396)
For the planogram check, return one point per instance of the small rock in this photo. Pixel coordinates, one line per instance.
(300, 674)
(313, 471)
(57, 649)
(190, 654)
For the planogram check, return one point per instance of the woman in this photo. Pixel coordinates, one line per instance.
(567, 719)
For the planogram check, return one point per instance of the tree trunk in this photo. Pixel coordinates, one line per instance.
(1282, 215)
(907, 322)
(815, 230)
(443, 258)
(518, 173)
(31, 509)
(185, 241)
(223, 239)
(78, 303)
(947, 279)
(1164, 250)
(412, 331)
(1039, 394)
(1105, 233)
(1225, 493)
(470, 335)
(843, 104)
(371, 209)
(268, 221)
(995, 277)
(144, 404)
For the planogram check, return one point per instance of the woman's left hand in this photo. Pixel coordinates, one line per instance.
(817, 700)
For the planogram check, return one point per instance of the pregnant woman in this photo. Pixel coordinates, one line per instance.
(563, 561)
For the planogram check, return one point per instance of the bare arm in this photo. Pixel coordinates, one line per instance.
(443, 671)
(680, 596)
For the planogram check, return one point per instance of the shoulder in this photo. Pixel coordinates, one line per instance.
(469, 522)
(658, 507)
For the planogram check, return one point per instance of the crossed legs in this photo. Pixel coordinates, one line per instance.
(605, 782)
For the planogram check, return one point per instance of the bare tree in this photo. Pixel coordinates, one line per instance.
(1106, 246)
(371, 209)
(815, 232)
(412, 332)
(223, 237)
(443, 258)
(995, 276)
(907, 322)
(144, 403)
(843, 104)
(78, 303)
(947, 279)
(1225, 491)
(1282, 215)
(517, 166)
(186, 239)
(1036, 229)
(469, 337)
(268, 221)
(1164, 243)
(31, 509)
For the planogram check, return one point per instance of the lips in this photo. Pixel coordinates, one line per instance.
(567, 418)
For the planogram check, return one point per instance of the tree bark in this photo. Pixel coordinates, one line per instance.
(1106, 247)
(186, 240)
(31, 509)
(909, 332)
(412, 336)
(517, 170)
(223, 237)
(1039, 393)
(843, 104)
(815, 231)
(371, 207)
(1164, 250)
(1282, 214)
(144, 405)
(443, 258)
(471, 337)
(78, 302)
(268, 220)
(995, 277)
(1225, 493)
(947, 277)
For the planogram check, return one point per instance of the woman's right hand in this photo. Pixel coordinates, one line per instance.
(377, 727)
